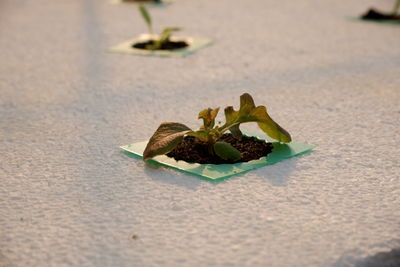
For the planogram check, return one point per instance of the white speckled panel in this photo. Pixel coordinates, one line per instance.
(68, 197)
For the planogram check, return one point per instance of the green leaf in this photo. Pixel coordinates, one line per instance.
(166, 34)
(146, 16)
(163, 38)
(171, 29)
(248, 112)
(246, 104)
(202, 135)
(231, 115)
(269, 126)
(226, 151)
(166, 138)
(208, 116)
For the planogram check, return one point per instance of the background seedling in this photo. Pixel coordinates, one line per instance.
(373, 14)
(164, 37)
(170, 134)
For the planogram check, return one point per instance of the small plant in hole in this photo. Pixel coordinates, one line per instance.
(213, 138)
(373, 14)
(163, 40)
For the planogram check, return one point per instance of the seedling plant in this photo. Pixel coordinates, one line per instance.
(163, 38)
(373, 14)
(170, 134)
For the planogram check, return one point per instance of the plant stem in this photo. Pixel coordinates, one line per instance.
(210, 147)
(226, 127)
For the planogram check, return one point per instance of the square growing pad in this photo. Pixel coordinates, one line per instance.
(216, 172)
(194, 45)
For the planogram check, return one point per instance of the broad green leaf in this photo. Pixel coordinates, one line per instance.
(231, 115)
(202, 135)
(268, 125)
(246, 104)
(208, 116)
(248, 112)
(227, 152)
(146, 16)
(166, 138)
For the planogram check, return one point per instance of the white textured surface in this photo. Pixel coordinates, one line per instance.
(69, 197)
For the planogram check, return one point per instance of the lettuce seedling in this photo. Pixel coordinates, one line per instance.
(170, 134)
(163, 38)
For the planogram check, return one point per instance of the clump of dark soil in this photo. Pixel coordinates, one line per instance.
(374, 14)
(171, 45)
(193, 150)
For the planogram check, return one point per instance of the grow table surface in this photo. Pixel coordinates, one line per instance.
(69, 197)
